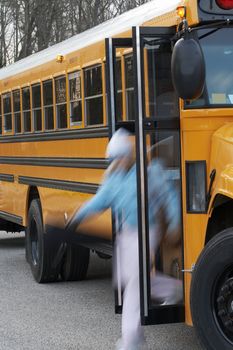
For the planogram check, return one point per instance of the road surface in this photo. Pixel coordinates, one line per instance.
(67, 315)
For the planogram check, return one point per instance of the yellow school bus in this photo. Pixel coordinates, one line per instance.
(164, 72)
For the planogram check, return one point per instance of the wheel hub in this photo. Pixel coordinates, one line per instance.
(225, 304)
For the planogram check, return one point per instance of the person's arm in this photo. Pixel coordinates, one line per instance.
(101, 201)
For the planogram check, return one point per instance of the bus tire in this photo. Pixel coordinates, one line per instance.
(212, 293)
(75, 263)
(40, 250)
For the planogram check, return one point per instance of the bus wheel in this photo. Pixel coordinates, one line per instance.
(75, 263)
(39, 249)
(212, 293)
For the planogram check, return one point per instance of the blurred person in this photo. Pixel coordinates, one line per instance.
(119, 192)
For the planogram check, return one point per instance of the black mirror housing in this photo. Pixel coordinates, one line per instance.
(188, 68)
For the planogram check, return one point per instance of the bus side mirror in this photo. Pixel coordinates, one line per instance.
(188, 69)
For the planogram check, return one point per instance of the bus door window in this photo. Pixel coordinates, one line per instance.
(161, 100)
(7, 115)
(26, 109)
(129, 87)
(162, 144)
(166, 245)
(48, 104)
(119, 91)
(75, 94)
(17, 111)
(93, 95)
(60, 97)
(36, 107)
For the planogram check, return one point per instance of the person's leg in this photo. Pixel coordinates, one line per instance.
(132, 333)
(166, 289)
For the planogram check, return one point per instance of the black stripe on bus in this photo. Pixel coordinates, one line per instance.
(7, 177)
(10, 217)
(93, 163)
(59, 184)
(87, 133)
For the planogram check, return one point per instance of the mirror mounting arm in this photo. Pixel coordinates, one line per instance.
(183, 30)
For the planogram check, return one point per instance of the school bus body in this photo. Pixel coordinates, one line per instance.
(206, 134)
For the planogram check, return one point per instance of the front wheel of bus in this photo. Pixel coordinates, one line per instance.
(212, 293)
(40, 250)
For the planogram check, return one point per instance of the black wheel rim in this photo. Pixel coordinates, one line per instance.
(34, 242)
(222, 303)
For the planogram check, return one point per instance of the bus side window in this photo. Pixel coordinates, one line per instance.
(7, 115)
(129, 87)
(17, 111)
(60, 97)
(48, 104)
(75, 94)
(0, 114)
(26, 109)
(36, 107)
(93, 95)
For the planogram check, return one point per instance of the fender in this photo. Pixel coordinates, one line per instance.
(222, 161)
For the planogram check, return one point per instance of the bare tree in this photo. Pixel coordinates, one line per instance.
(28, 26)
(5, 32)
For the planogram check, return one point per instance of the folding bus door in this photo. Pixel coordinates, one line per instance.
(150, 110)
(121, 113)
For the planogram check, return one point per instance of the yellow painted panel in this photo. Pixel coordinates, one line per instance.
(66, 174)
(80, 148)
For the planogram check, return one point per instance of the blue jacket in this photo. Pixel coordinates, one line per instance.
(119, 192)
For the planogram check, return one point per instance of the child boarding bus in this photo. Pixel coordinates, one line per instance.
(164, 71)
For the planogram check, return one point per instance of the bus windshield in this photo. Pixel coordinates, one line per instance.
(217, 47)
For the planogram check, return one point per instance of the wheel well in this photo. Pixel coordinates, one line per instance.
(33, 193)
(221, 217)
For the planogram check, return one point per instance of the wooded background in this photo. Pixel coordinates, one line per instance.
(28, 26)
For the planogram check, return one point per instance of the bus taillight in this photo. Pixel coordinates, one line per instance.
(225, 4)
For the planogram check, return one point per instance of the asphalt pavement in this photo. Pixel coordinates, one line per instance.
(67, 315)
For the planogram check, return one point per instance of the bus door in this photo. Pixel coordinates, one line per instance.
(121, 113)
(150, 109)
(158, 151)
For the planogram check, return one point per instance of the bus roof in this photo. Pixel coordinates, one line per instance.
(112, 27)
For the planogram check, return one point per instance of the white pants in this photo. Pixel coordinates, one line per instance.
(162, 286)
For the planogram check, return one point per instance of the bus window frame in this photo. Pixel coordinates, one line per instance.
(26, 110)
(104, 89)
(37, 108)
(10, 131)
(69, 100)
(62, 76)
(86, 125)
(125, 56)
(119, 58)
(19, 111)
(44, 106)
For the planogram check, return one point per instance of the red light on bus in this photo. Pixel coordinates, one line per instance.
(225, 4)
